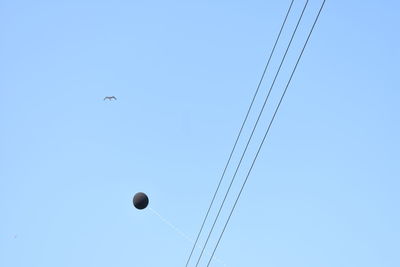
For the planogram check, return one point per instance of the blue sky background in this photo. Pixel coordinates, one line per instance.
(324, 191)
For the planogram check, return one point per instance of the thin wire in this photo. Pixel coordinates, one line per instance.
(266, 133)
(252, 133)
(240, 132)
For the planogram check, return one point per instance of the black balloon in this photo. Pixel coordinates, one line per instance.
(140, 201)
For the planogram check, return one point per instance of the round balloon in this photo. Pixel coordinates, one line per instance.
(140, 201)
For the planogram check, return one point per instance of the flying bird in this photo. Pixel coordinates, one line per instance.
(110, 98)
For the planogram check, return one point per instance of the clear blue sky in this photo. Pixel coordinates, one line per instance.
(324, 192)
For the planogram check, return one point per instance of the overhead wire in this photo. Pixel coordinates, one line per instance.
(266, 133)
(239, 134)
(252, 133)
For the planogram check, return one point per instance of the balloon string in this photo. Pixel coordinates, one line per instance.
(176, 229)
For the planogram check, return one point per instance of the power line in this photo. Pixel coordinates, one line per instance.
(266, 133)
(240, 132)
(252, 133)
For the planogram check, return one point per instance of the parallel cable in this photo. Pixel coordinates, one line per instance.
(252, 133)
(240, 132)
(266, 133)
